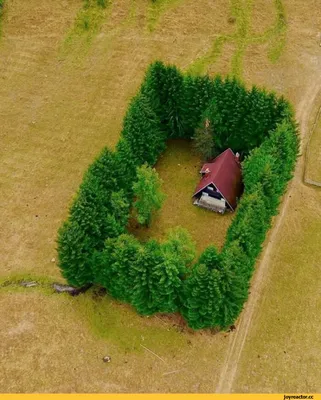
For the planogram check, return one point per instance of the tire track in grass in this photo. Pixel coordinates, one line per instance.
(241, 11)
(87, 25)
(238, 339)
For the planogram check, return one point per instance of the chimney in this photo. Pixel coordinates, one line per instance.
(237, 157)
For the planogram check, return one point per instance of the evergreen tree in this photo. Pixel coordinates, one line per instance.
(180, 244)
(203, 141)
(147, 190)
(164, 87)
(201, 297)
(115, 267)
(178, 253)
(74, 248)
(198, 92)
(142, 132)
(96, 214)
(145, 280)
(166, 283)
(250, 223)
(210, 257)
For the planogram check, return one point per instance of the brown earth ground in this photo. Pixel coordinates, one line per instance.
(58, 107)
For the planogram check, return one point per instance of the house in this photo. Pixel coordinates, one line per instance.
(221, 184)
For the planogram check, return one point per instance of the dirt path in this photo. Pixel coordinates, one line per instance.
(237, 339)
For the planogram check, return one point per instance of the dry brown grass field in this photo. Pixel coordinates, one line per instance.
(63, 95)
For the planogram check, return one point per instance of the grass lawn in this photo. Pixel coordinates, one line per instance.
(58, 106)
(179, 169)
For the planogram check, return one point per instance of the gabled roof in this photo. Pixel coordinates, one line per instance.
(224, 172)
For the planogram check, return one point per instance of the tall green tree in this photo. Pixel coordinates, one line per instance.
(164, 87)
(201, 297)
(144, 282)
(115, 266)
(149, 197)
(142, 131)
(203, 141)
(178, 252)
(99, 211)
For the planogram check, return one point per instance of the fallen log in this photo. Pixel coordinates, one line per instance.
(60, 288)
(28, 284)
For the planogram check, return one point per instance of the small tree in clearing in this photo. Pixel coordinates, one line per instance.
(204, 141)
(147, 190)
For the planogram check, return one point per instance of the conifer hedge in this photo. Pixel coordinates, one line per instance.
(93, 244)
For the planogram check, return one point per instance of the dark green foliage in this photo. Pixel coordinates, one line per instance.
(158, 273)
(115, 266)
(180, 244)
(164, 87)
(250, 223)
(235, 274)
(201, 297)
(145, 282)
(98, 212)
(159, 277)
(241, 119)
(74, 249)
(142, 132)
(198, 93)
(210, 257)
(1, 5)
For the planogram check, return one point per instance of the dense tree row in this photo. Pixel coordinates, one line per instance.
(93, 244)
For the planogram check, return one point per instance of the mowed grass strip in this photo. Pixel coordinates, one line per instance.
(179, 168)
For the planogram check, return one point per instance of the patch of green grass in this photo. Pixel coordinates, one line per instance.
(241, 11)
(12, 283)
(105, 317)
(87, 24)
(199, 66)
(156, 9)
(122, 325)
(179, 168)
(279, 35)
(276, 35)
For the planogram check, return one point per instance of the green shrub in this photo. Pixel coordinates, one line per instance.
(148, 194)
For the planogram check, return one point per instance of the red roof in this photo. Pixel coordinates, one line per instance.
(225, 174)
